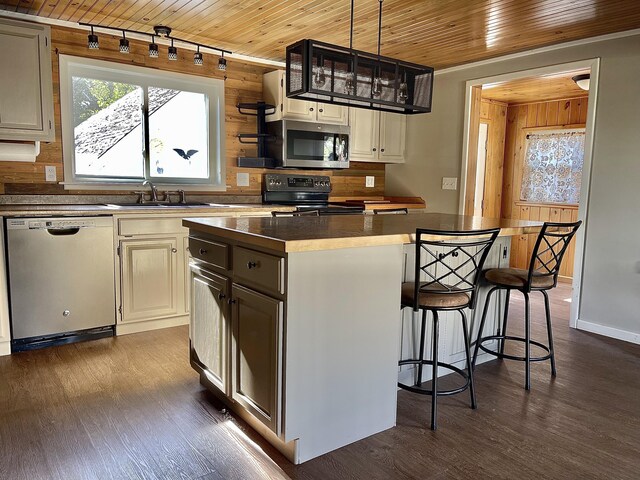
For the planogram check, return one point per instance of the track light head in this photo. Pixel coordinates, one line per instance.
(197, 57)
(173, 52)
(222, 63)
(124, 44)
(93, 41)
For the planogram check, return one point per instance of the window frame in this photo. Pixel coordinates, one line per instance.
(144, 77)
(544, 131)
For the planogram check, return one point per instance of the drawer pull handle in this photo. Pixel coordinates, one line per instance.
(202, 251)
(221, 295)
(251, 265)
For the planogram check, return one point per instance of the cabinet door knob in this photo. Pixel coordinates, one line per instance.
(231, 301)
(221, 295)
(374, 149)
(251, 265)
(311, 109)
(174, 250)
(382, 149)
(202, 251)
(321, 110)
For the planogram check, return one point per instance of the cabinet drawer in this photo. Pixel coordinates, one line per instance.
(258, 269)
(216, 254)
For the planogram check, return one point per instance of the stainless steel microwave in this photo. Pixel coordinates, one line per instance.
(308, 144)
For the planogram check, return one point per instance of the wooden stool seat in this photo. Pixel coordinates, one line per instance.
(517, 278)
(447, 299)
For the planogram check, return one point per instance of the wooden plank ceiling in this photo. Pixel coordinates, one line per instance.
(439, 33)
(535, 89)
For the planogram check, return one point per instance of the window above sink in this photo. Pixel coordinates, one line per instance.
(124, 124)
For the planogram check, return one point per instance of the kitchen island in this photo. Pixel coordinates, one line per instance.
(296, 325)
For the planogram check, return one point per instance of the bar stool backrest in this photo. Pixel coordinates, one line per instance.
(304, 213)
(450, 262)
(550, 247)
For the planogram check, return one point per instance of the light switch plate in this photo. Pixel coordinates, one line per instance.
(242, 179)
(370, 181)
(449, 183)
(50, 173)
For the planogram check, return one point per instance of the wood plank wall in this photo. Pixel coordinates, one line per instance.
(243, 84)
(565, 113)
(493, 113)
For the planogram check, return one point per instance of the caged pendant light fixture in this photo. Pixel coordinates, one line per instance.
(328, 73)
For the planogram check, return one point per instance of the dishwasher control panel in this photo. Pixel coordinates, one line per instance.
(56, 223)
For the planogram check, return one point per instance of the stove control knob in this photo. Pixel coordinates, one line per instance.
(317, 183)
(278, 182)
(272, 181)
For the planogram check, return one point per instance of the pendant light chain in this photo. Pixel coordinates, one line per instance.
(351, 29)
(379, 25)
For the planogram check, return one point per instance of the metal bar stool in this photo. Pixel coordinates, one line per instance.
(450, 263)
(542, 275)
(303, 213)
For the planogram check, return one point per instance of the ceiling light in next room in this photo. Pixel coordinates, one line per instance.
(582, 80)
(328, 73)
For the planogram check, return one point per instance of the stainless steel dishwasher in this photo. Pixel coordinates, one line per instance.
(61, 280)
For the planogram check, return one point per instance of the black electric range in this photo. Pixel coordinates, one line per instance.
(305, 192)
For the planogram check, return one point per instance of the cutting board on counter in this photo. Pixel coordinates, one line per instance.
(371, 203)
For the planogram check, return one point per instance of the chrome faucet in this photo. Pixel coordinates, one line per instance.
(154, 190)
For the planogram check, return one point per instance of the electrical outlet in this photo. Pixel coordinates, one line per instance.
(370, 181)
(242, 179)
(50, 173)
(449, 183)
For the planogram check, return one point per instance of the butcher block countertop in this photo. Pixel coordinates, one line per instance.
(36, 210)
(299, 234)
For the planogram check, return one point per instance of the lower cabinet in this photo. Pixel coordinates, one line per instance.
(149, 271)
(236, 331)
(209, 328)
(256, 321)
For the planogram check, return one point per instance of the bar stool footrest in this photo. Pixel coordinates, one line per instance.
(513, 357)
(424, 391)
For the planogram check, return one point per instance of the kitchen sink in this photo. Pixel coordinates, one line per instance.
(165, 205)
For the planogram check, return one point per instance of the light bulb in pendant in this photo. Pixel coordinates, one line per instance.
(403, 93)
(376, 89)
(320, 78)
(350, 84)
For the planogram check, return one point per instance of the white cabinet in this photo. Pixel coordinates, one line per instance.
(149, 271)
(274, 92)
(26, 89)
(377, 136)
(152, 273)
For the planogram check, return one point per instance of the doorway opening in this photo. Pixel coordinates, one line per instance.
(527, 155)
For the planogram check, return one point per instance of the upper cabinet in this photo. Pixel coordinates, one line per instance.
(274, 92)
(26, 89)
(377, 136)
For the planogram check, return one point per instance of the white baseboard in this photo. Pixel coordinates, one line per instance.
(137, 327)
(5, 348)
(616, 333)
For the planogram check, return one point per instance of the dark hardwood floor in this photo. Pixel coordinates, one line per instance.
(132, 408)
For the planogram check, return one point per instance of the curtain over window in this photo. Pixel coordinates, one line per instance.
(553, 167)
